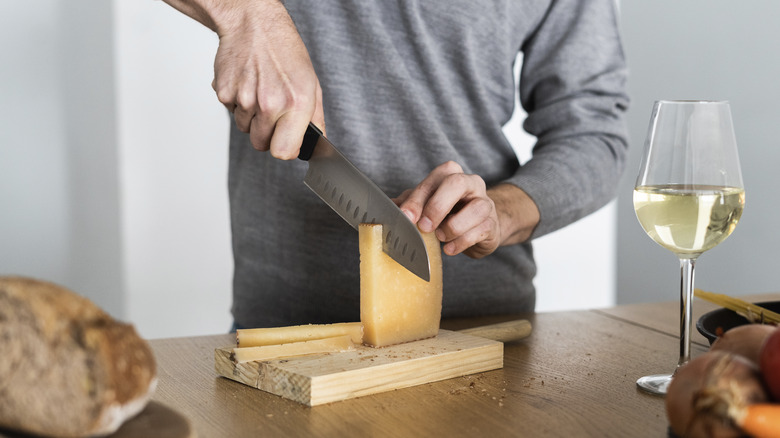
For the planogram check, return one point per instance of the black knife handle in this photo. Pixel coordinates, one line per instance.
(309, 141)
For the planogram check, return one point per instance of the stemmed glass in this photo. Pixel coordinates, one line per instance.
(689, 194)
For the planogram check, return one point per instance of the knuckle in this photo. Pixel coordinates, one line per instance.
(270, 102)
(451, 167)
(404, 195)
(414, 204)
(245, 100)
(483, 207)
(224, 96)
(302, 101)
(452, 227)
(258, 137)
(284, 154)
(284, 99)
(259, 145)
(485, 230)
(480, 183)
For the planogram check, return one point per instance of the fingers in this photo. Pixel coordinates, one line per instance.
(473, 230)
(288, 135)
(264, 76)
(456, 206)
(471, 222)
(415, 202)
(275, 119)
(465, 218)
(318, 118)
(245, 105)
(399, 201)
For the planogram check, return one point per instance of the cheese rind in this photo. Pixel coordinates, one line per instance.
(269, 352)
(396, 306)
(298, 333)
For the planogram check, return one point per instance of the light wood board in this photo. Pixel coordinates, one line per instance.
(325, 378)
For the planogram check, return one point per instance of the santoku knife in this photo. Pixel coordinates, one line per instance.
(358, 200)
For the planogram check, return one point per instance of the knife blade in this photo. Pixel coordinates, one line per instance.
(356, 198)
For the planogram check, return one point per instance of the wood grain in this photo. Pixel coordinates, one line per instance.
(324, 378)
(665, 316)
(507, 331)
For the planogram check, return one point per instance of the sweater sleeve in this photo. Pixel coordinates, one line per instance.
(572, 86)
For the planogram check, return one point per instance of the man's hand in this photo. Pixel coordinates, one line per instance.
(262, 71)
(465, 215)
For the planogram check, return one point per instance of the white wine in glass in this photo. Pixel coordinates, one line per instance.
(689, 195)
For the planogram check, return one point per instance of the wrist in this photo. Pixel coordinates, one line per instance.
(224, 16)
(229, 16)
(517, 213)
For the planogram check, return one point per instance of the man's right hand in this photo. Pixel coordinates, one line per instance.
(262, 71)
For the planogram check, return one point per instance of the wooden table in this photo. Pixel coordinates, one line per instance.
(574, 376)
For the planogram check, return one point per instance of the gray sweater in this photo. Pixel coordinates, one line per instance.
(408, 85)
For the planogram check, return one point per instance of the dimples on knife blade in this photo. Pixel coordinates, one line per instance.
(358, 200)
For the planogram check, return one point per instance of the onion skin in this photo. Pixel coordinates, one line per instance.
(705, 390)
(770, 363)
(744, 340)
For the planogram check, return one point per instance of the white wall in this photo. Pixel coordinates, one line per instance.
(113, 160)
(33, 167)
(113, 169)
(173, 173)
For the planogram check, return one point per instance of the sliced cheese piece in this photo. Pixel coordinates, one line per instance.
(268, 352)
(395, 305)
(298, 333)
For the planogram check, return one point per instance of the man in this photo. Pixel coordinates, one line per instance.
(405, 86)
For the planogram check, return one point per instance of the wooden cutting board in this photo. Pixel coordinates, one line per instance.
(324, 378)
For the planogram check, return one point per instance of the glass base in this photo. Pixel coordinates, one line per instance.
(655, 384)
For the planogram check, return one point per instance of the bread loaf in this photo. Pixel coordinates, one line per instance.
(66, 367)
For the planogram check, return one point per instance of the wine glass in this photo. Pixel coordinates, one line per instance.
(689, 194)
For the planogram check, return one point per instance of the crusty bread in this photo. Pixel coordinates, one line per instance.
(66, 367)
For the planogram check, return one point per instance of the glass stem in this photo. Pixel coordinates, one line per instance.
(686, 301)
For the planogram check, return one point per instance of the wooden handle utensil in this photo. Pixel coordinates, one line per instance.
(503, 331)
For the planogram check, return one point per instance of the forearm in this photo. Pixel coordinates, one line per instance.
(221, 16)
(517, 213)
(573, 87)
(262, 71)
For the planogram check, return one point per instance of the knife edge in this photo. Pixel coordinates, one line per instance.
(357, 199)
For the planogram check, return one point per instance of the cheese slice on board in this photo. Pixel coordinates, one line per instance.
(316, 346)
(397, 306)
(282, 335)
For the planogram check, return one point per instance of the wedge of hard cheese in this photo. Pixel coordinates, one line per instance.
(396, 306)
